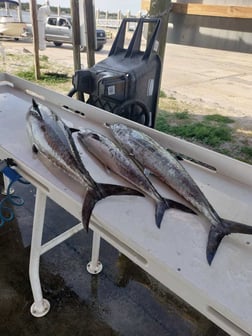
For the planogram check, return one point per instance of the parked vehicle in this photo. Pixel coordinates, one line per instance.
(9, 25)
(58, 30)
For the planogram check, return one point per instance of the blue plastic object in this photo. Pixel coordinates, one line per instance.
(6, 213)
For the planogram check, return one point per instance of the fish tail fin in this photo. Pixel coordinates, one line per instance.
(217, 233)
(91, 198)
(166, 204)
(161, 207)
(104, 190)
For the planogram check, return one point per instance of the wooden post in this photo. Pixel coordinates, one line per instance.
(161, 8)
(91, 33)
(20, 18)
(76, 34)
(33, 10)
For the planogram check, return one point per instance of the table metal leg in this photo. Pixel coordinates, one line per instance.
(6, 182)
(41, 306)
(95, 266)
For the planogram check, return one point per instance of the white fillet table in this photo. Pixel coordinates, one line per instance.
(175, 254)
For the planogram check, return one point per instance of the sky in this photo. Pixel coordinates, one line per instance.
(111, 5)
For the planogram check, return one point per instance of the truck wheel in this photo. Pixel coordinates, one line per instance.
(57, 44)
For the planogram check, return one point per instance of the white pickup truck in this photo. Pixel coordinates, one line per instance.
(58, 30)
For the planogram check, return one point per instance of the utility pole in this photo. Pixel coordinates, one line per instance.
(161, 9)
(90, 31)
(20, 19)
(33, 9)
(76, 34)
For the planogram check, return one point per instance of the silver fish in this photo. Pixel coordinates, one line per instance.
(114, 158)
(168, 169)
(51, 138)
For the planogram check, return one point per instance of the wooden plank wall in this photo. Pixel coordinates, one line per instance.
(218, 26)
(229, 11)
(221, 24)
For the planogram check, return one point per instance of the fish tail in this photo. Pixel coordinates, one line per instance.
(217, 233)
(104, 190)
(166, 204)
(91, 198)
(161, 207)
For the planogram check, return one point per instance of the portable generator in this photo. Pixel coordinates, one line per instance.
(127, 81)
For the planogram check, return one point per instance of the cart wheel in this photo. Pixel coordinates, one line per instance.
(134, 110)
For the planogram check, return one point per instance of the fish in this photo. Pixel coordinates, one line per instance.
(52, 139)
(154, 157)
(115, 159)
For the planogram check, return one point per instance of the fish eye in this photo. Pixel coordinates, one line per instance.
(95, 136)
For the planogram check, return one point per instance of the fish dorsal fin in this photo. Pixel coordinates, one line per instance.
(34, 103)
(35, 108)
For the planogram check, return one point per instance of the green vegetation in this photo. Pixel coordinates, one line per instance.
(162, 94)
(247, 151)
(219, 118)
(212, 130)
(203, 132)
(182, 115)
(50, 78)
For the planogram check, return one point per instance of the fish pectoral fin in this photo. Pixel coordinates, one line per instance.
(73, 130)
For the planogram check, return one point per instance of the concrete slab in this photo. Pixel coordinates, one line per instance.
(122, 300)
(212, 78)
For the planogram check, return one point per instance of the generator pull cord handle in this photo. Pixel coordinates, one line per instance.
(73, 91)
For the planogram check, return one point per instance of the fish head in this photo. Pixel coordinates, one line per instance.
(117, 127)
(34, 111)
(39, 112)
(120, 131)
(87, 135)
(40, 120)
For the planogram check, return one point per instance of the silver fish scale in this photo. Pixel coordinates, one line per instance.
(116, 160)
(161, 163)
(48, 136)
